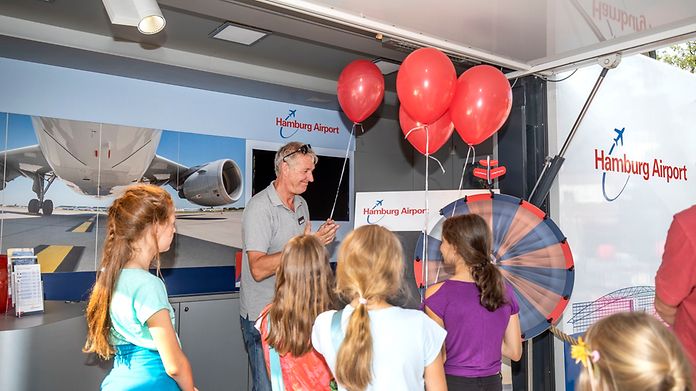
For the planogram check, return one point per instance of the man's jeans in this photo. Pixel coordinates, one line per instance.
(252, 342)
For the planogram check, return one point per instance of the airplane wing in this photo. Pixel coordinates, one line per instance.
(164, 171)
(25, 161)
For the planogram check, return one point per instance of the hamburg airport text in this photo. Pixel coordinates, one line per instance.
(656, 169)
(316, 127)
(394, 212)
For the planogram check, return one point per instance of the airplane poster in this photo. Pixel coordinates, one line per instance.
(61, 175)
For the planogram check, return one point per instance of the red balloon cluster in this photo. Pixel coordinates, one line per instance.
(433, 100)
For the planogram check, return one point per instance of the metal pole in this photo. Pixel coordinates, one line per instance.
(552, 166)
(586, 106)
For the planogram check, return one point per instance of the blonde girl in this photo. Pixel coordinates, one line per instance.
(304, 289)
(370, 344)
(631, 351)
(129, 316)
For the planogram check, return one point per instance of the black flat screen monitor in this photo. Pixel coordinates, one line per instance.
(320, 194)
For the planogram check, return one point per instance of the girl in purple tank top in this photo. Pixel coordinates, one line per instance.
(476, 307)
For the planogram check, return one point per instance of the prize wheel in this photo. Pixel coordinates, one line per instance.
(528, 248)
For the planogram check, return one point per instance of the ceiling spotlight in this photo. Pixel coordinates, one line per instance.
(144, 14)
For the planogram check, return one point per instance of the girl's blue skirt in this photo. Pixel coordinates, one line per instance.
(138, 368)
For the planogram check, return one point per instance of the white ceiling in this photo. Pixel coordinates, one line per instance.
(527, 36)
(312, 41)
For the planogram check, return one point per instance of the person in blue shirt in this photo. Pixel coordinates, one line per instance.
(129, 316)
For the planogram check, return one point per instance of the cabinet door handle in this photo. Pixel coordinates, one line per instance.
(186, 309)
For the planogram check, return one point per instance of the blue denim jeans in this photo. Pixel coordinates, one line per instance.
(252, 342)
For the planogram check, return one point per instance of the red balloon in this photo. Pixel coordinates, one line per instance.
(360, 89)
(438, 132)
(425, 84)
(481, 103)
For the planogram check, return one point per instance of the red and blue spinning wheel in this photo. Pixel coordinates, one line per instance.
(528, 248)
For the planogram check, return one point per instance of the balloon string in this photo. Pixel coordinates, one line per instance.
(461, 180)
(438, 162)
(427, 212)
(428, 155)
(343, 170)
(412, 129)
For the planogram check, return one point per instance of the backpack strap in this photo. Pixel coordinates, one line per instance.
(274, 361)
(336, 333)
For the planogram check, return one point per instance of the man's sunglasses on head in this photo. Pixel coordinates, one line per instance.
(304, 149)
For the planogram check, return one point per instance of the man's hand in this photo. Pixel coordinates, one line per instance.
(326, 233)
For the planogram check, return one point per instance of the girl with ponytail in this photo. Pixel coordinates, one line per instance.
(370, 344)
(129, 316)
(475, 306)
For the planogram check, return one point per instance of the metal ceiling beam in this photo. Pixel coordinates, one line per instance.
(388, 30)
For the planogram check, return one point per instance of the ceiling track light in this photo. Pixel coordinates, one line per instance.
(143, 14)
(409, 47)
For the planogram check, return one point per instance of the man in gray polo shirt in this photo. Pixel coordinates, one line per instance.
(271, 218)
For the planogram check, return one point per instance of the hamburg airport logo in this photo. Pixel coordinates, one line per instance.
(288, 125)
(287, 133)
(616, 141)
(611, 162)
(373, 215)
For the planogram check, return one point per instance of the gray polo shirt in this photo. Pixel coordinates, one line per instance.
(267, 225)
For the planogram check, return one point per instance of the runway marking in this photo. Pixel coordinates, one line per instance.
(52, 256)
(67, 263)
(84, 227)
(71, 261)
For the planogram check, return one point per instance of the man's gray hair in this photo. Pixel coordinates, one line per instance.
(288, 149)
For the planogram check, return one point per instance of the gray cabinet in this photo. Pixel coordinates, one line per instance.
(211, 337)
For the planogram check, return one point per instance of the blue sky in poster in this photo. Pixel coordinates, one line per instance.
(188, 149)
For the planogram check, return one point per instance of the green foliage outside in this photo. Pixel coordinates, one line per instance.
(682, 55)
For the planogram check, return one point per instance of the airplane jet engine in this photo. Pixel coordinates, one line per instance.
(214, 184)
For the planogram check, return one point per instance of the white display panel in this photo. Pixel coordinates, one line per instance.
(644, 119)
(405, 210)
